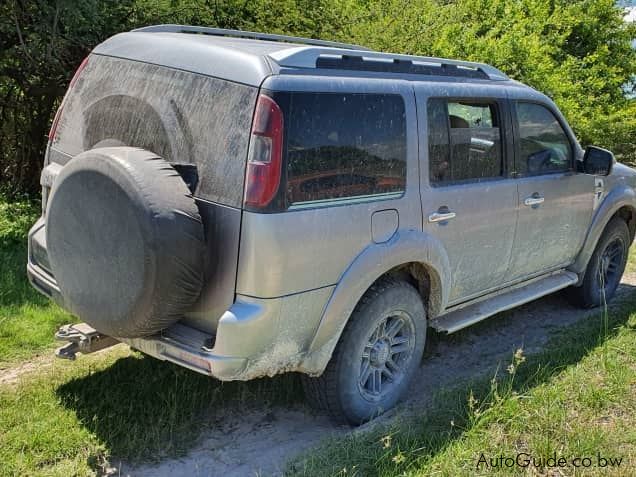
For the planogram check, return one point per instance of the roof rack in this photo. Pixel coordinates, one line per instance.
(170, 28)
(312, 57)
(359, 63)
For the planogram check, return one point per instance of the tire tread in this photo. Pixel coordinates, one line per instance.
(583, 295)
(322, 392)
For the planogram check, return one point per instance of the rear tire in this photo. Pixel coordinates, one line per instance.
(605, 268)
(378, 353)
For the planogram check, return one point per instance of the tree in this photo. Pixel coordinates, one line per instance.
(578, 52)
(41, 45)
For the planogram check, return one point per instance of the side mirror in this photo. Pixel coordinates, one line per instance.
(597, 161)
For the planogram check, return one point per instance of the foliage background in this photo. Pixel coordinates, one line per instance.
(579, 52)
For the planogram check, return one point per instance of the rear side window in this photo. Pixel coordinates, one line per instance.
(342, 146)
(543, 145)
(464, 140)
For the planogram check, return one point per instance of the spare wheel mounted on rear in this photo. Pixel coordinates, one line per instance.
(125, 241)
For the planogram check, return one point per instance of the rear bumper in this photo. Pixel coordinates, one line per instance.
(255, 337)
(185, 346)
(38, 267)
(44, 283)
(242, 336)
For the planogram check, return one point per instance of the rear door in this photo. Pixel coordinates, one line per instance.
(555, 201)
(468, 198)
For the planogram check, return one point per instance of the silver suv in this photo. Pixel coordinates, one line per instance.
(245, 204)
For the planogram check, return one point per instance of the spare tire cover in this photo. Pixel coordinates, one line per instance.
(125, 241)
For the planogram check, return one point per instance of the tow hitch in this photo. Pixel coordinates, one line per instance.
(82, 338)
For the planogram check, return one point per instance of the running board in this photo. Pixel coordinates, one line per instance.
(471, 314)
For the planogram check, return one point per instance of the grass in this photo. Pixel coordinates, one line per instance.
(63, 419)
(27, 319)
(72, 419)
(576, 399)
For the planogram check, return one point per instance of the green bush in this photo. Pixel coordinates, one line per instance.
(16, 217)
(579, 52)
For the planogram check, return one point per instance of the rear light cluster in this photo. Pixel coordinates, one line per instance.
(58, 114)
(265, 154)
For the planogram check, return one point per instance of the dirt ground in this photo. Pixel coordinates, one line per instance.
(260, 443)
(12, 374)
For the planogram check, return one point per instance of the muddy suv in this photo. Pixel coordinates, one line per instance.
(245, 204)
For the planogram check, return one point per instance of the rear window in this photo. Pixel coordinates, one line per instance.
(343, 146)
(186, 118)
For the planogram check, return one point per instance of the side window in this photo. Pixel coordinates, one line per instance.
(464, 140)
(543, 145)
(344, 146)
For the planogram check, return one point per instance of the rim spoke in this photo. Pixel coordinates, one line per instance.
(400, 347)
(388, 348)
(364, 375)
(610, 264)
(377, 375)
(377, 334)
(394, 328)
(387, 372)
(392, 365)
(382, 329)
(614, 251)
(399, 340)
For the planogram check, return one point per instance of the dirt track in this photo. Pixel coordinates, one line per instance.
(262, 442)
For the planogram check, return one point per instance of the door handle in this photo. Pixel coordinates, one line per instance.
(441, 216)
(533, 200)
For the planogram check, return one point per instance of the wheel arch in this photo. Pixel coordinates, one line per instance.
(419, 258)
(628, 214)
(620, 202)
(425, 278)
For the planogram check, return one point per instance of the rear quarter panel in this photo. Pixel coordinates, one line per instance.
(308, 248)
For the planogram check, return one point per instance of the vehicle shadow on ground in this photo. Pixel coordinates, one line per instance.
(143, 409)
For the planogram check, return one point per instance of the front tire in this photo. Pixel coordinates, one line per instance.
(376, 357)
(606, 266)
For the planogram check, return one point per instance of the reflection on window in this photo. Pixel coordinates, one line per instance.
(344, 145)
(543, 145)
(464, 141)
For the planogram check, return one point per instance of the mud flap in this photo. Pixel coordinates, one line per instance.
(82, 338)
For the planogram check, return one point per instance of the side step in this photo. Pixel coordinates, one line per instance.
(471, 314)
(82, 338)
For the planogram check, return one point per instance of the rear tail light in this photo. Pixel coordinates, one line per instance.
(56, 120)
(265, 154)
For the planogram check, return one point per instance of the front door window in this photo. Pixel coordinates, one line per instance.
(543, 145)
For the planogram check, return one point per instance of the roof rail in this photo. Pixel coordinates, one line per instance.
(312, 57)
(169, 28)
